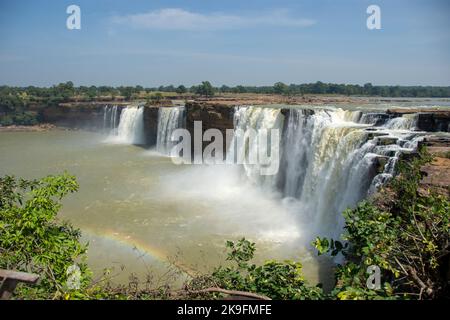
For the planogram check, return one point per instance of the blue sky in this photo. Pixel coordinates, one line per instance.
(229, 42)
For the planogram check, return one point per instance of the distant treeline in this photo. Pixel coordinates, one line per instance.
(66, 91)
(344, 89)
(15, 102)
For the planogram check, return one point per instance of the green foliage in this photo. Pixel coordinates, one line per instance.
(280, 88)
(408, 239)
(156, 97)
(324, 245)
(33, 240)
(127, 92)
(24, 118)
(205, 89)
(344, 89)
(181, 89)
(277, 280)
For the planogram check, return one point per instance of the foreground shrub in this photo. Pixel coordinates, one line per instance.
(33, 240)
(274, 279)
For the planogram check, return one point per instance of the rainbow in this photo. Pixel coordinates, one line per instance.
(142, 246)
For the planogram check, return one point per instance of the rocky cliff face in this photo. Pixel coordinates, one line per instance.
(150, 125)
(88, 117)
(212, 116)
(217, 116)
(91, 117)
(433, 122)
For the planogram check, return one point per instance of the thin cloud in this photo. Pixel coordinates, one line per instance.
(180, 19)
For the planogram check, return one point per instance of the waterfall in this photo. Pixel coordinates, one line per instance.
(241, 149)
(329, 158)
(298, 138)
(326, 164)
(169, 119)
(126, 126)
(374, 118)
(110, 119)
(406, 122)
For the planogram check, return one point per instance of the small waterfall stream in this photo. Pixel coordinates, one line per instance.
(169, 119)
(125, 125)
(406, 122)
(110, 119)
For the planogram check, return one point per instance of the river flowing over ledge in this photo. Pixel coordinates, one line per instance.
(331, 158)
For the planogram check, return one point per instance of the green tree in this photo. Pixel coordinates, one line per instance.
(225, 88)
(205, 89)
(181, 89)
(33, 240)
(280, 88)
(127, 92)
(368, 89)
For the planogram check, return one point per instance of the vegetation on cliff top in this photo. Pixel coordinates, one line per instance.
(21, 105)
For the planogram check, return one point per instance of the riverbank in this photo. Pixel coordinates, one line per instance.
(33, 128)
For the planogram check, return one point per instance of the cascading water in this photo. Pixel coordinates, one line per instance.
(325, 165)
(329, 158)
(110, 119)
(374, 118)
(131, 126)
(169, 119)
(126, 126)
(406, 122)
(253, 118)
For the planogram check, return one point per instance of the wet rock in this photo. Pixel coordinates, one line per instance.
(436, 141)
(408, 155)
(151, 125)
(376, 119)
(390, 153)
(432, 122)
(386, 140)
(379, 163)
(373, 134)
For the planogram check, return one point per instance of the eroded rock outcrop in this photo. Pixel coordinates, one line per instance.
(150, 125)
(212, 116)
